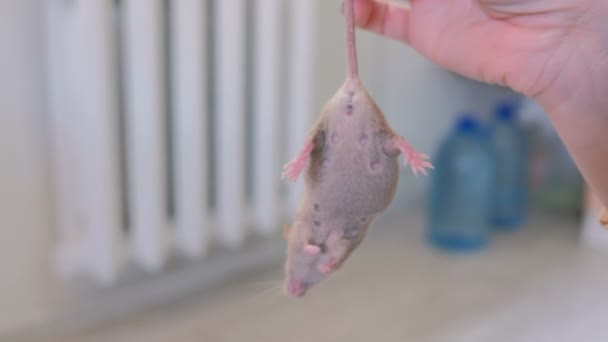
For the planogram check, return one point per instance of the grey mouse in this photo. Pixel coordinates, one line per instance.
(351, 173)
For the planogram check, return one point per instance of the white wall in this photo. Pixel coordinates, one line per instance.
(27, 290)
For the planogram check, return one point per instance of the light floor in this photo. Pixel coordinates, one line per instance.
(534, 285)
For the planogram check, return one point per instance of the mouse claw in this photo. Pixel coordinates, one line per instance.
(290, 172)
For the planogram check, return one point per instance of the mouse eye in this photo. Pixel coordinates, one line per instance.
(350, 233)
(323, 248)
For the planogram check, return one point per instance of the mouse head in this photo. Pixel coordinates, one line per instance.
(303, 257)
(311, 260)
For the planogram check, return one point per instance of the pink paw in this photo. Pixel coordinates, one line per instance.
(292, 170)
(417, 161)
(326, 268)
(312, 250)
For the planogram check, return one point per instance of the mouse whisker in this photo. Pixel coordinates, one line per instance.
(267, 282)
(268, 285)
(273, 291)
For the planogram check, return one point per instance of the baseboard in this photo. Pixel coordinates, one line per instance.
(144, 291)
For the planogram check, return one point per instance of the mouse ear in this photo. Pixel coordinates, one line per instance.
(286, 230)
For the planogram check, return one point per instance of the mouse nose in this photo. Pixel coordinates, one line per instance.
(296, 288)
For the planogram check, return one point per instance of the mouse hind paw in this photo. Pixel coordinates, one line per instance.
(418, 162)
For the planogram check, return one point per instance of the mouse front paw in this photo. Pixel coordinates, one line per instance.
(327, 268)
(292, 170)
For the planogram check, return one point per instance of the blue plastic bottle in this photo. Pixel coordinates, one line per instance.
(461, 189)
(510, 188)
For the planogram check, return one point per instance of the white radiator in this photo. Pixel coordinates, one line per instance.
(170, 121)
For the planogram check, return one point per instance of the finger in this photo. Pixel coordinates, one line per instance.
(385, 18)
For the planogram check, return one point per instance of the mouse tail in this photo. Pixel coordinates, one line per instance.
(351, 40)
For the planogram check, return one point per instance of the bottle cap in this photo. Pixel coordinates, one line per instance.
(467, 123)
(505, 111)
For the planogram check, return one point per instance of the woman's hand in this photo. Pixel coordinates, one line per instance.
(527, 45)
(555, 51)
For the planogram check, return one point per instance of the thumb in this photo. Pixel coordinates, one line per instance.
(385, 18)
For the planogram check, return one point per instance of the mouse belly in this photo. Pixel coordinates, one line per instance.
(355, 183)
